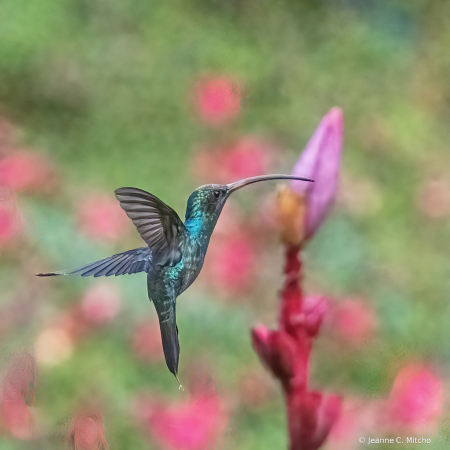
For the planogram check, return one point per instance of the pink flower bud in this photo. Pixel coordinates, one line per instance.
(282, 354)
(320, 161)
(277, 350)
(217, 100)
(314, 309)
(260, 340)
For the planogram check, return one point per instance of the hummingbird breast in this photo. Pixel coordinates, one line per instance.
(192, 262)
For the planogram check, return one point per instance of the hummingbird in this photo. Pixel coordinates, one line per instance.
(175, 251)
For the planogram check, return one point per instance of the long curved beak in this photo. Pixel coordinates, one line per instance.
(245, 182)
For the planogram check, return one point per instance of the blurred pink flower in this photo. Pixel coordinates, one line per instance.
(416, 399)
(18, 396)
(146, 342)
(232, 263)
(7, 229)
(346, 431)
(193, 426)
(101, 217)
(321, 162)
(217, 100)
(433, 198)
(26, 170)
(358, 418)
(355, 320)
(10, 221)
(247, 157)
(101, 303)
(87, 432)
(56, 342)
(196, 425)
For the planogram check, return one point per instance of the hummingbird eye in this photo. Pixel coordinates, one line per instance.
(216, 194)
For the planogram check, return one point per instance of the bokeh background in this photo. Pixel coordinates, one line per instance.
(166, 96)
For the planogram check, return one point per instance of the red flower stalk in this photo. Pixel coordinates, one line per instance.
(286, 351)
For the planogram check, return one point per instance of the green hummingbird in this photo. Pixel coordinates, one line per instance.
(175, 251)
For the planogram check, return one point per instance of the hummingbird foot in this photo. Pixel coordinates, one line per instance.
(180, 387)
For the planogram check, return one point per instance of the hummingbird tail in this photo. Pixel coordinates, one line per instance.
(171, 346)
(131, 261)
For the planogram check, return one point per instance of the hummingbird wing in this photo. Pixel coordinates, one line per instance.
(131, 261)
(157, 223)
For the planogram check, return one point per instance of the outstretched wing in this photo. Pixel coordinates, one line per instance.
(157, 223)
(131, 261)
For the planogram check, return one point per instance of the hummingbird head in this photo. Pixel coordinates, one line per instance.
(206, 202)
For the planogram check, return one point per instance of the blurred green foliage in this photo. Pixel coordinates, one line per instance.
(104, 88)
